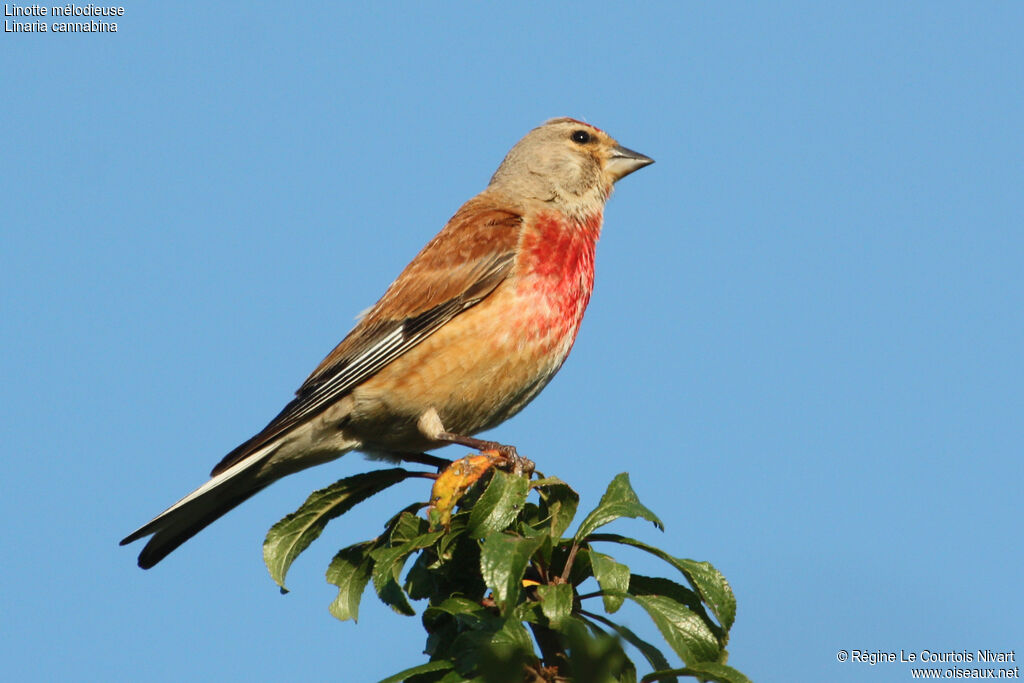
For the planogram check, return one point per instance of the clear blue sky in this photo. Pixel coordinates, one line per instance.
(804, 343)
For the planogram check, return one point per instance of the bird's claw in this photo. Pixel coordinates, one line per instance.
(510, 459)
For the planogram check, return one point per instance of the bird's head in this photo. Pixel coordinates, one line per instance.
(567, 163)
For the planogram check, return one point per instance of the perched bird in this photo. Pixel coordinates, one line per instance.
(473, 328)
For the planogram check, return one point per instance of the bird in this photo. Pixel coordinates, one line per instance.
(468, 334)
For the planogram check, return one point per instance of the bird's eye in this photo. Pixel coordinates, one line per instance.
(581, 136)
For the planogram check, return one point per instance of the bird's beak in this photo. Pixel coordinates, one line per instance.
(624, 161)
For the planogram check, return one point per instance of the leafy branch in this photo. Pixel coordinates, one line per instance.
(503, 583)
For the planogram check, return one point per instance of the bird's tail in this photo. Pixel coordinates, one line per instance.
(202, 507)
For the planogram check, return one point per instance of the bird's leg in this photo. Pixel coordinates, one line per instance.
(518, 463)
(425, 459)
(478, 444)
(430, 425)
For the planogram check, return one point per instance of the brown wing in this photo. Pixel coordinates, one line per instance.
(457, 269)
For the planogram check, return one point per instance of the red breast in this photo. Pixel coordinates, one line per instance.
(556, 276)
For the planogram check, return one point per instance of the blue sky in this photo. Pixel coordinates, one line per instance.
(804, 343)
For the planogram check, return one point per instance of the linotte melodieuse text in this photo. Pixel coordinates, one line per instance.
(95, 13)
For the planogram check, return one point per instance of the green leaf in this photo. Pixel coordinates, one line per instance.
(419, 582)
(558, 504)
(457, 606)
(555, 602)
(456, 529)
(656, 585)
(705, 671)
(350, 572)
(495, 641)
(387, 568)
(683, 629)
(619, 500)
(407, 527)
(503, 561)
(447, 622)
(714, 590)
(499, 504)
(466, 614)
(531, 515)
(293, 534)
(388, 563)
(528, 612)
(652, 654)
(514, 635)
(613, 577)
(429, 667)
(597, 658)
(720, 673)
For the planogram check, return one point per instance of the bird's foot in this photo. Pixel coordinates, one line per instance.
(510, 459)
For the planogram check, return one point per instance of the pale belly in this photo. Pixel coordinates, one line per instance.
(477, 371)
(487, 363)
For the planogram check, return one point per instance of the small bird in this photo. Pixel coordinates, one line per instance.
(470, 332)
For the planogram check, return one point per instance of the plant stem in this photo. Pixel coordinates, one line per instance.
(569, 560)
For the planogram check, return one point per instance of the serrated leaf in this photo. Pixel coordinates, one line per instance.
(683, 629)
(657, 585)
(531, 515)
(720, 673)
(393, 522)
(441, 665)
(558, 502)
(456, 529)
(407, 527)
(513, 634)
(612, 576)
(456, 615)
(293, 534)
(499, 504)
(388, 563)
(556, 602)
(619, 500)
(714, 590)
(705, 671)
(419, 582)
(503, 561)
(387, 568)
(350, 572)
(456, 606)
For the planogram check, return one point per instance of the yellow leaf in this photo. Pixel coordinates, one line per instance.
(451, 484)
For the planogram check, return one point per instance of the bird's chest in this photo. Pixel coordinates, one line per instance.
(556, 277)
